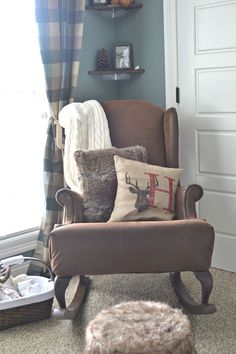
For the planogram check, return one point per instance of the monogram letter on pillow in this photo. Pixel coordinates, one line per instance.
(144, 192)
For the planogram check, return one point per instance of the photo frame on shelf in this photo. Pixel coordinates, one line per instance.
(123, 56)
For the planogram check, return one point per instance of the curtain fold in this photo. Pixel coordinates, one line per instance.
(60, 28)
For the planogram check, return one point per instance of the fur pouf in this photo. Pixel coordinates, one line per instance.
(140, 327)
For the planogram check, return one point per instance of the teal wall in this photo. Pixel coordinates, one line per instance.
(143, 28)
(99, 32)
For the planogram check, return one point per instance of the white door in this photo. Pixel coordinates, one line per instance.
(206, 41)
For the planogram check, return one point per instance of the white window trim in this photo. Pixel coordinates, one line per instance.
(18, 243)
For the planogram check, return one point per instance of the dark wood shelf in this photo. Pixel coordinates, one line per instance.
(114, 11)
(100, 7)
(118, 74)
(117, 71)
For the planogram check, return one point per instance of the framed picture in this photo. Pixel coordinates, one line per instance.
(123, 56)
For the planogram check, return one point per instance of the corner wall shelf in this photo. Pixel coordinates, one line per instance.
(114, 11)
(119, 74)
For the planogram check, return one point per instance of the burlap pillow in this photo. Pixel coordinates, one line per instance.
(144, 192)
(97, 179)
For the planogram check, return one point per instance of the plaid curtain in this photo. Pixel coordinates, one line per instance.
(60, 25)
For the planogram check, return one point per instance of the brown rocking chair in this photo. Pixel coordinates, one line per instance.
(182, 244)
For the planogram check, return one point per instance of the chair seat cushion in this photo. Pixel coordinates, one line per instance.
(131, 247)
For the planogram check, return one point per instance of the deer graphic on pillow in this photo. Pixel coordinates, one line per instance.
(146, 197)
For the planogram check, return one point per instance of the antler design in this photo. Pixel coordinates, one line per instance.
(142, 200)
(128, 181)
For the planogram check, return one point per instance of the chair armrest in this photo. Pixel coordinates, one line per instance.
(186, 197)
(72, 202)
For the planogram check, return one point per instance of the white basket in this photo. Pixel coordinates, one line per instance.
(30, 308)
(48, 292)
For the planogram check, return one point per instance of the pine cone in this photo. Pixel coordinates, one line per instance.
(103, 60)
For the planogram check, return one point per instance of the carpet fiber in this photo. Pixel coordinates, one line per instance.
(214, 334)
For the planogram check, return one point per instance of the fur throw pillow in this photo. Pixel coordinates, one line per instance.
(97, 179)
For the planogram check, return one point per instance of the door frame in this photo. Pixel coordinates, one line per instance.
(170, 52)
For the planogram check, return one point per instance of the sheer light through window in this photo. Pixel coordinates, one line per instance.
(23, 123)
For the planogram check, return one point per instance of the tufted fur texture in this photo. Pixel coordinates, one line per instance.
(140, 327)
(98, 181)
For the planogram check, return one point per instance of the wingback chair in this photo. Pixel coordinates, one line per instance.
(182, 244)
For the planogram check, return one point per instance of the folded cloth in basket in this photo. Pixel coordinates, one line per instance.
(29, 287)
(8, 293)
(22, 285)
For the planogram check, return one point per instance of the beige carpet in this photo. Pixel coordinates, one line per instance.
(214, 334)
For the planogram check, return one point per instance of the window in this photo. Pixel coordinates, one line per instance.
(23, 118)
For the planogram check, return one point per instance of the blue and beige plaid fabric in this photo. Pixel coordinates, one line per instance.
(60, 26)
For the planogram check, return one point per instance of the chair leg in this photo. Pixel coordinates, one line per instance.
(187, 301)
(60, 286)
(206, 281)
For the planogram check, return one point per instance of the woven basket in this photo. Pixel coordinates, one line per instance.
(31, 308)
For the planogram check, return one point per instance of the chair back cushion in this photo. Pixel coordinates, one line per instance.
(137, 122)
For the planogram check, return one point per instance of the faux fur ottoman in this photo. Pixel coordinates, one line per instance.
(140, 327)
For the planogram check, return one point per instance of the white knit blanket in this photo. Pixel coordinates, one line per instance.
(86, 128)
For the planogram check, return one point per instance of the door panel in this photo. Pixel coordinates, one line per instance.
(206, 31)
(211, 208)
(208, 20)
(215, 90)
(219, 163)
